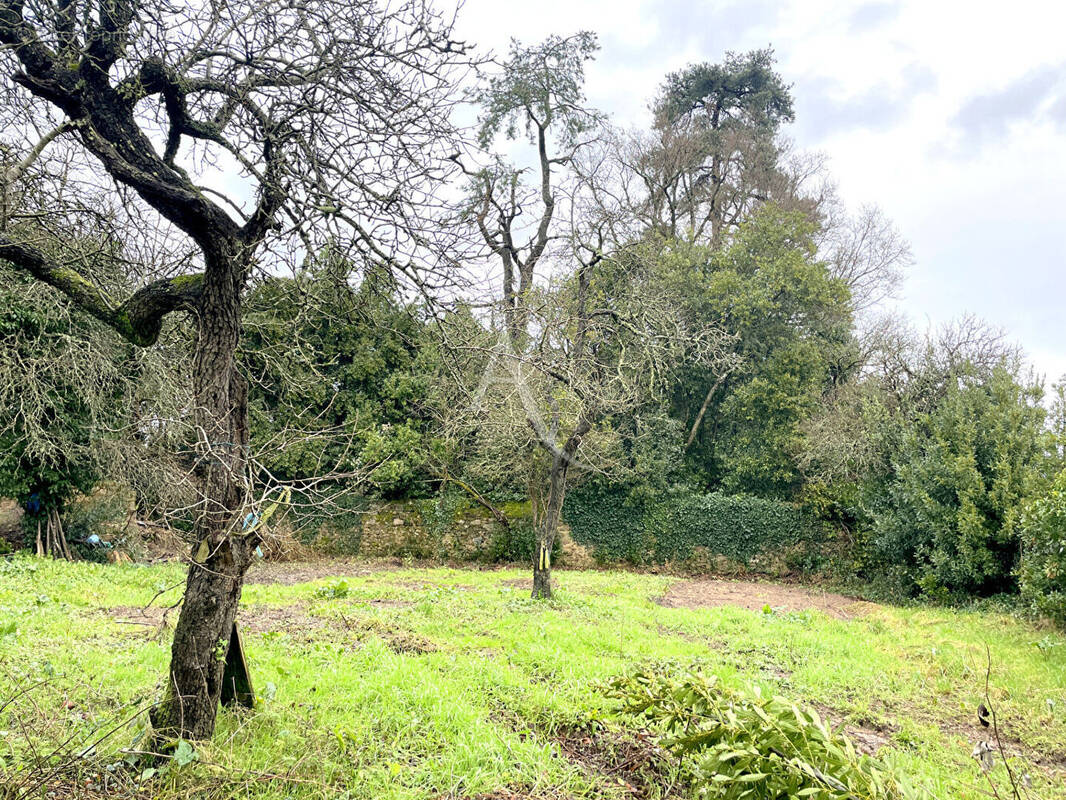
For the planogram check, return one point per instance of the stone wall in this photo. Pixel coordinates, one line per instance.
(419, 529)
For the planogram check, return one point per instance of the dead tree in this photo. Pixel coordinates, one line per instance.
(235, 138)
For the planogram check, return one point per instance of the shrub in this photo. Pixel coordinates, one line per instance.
(332, 591)
(944, 519)
(736, 743)
(1043, 566)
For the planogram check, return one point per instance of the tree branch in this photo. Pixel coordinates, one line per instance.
(138, 320)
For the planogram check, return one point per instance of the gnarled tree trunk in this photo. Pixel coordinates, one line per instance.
(221, 555)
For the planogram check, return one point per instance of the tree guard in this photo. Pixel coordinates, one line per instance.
(236, 679)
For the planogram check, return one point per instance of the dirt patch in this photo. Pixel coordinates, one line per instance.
(507, 794)
(423, 586)
(398, 640)
(964, 729)
(519, 583)
(756, 596)
(384, 602)
(868, 739)
(292, 619)
(628, 759)
(151, 618)
(288, 573)
(869, 736)
(252, 619)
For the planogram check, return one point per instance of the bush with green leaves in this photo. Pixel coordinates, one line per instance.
(332, 591)
(341, 378)
(1043, 566)
(944, 517)
(738, 743)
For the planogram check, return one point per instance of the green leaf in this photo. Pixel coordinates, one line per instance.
(184, 754)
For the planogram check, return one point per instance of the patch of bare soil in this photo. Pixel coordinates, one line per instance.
(970, 731)
(253, 619)
(288, 573)
(756, 596)
(399, 640)
(507, 794)
(386, 602)
(869, 736)
(630, 760)
(422, 586)
(518, 583)
(291, 619)
(152, 620)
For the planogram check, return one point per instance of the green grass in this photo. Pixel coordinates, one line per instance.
(455, 683)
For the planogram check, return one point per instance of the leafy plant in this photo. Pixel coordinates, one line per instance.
(1043, 565)
(945, 519)
(737, 743)
(184, 754)
(332, 591)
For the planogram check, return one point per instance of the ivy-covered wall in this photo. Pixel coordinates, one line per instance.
(682, 526)
(610, 521)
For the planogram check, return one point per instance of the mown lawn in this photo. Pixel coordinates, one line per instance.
(421, 683)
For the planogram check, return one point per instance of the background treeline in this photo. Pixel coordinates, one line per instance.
(923, 463)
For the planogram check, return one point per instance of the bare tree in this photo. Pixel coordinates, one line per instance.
(596, 336)
(232, 137)
(866, 251)
(915, 367)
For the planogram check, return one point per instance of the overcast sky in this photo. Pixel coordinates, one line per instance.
(950, 118)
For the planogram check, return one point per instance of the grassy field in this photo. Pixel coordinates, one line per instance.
(421, 683)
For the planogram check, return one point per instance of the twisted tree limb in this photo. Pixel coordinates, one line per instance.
(138, 320)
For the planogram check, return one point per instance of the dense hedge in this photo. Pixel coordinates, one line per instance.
(736, 526)
(739, 527)
(610, 521)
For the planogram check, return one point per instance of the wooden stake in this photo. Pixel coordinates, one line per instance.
(63, 538)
